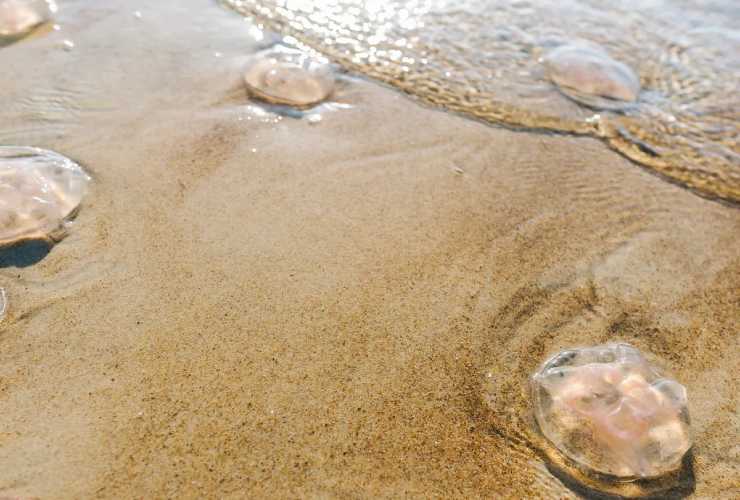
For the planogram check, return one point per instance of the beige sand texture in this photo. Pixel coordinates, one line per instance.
(250, 306)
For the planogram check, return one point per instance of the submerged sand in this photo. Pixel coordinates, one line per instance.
(257, 306)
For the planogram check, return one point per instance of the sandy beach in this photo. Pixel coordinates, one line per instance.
(253, 305)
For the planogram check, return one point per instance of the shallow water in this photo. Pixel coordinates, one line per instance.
(483, 59)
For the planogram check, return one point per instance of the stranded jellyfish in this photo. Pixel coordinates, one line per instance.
(3, 303)
(39, 191)
(611, 412)
(281, 75)
(588, 75)
(20, 17)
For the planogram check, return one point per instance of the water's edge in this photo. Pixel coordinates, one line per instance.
(694, 156)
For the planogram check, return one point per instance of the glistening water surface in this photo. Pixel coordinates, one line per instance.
(484, 58)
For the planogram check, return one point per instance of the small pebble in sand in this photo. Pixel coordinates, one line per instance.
(20, 17)
(588, 75)
(39, 191)
(287, 76)
(314, 119)
(610, 411)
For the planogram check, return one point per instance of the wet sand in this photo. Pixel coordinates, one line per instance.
(254, 306)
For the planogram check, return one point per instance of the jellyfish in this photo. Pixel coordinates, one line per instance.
(610, 411)
(40, 191)
(19, 17)
(281, 75)
(588, 75)
(3, 303)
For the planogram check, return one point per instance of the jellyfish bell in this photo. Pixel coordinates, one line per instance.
(608, 410)
(20, 17)
(40, 191)
(281, 75)
(587, 74)
(3, 303)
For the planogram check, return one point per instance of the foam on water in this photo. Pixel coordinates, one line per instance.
(486, 59)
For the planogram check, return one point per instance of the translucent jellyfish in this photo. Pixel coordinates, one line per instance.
(39, 191)
(3, 303)
(286, 76)
(20, 17)
(587, 74)
(611, 412)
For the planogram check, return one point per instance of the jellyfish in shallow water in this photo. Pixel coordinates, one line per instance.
(39, 191)
(281, 75)
(608, 410)
(588, 75)
(20, 17)
(3, 303)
